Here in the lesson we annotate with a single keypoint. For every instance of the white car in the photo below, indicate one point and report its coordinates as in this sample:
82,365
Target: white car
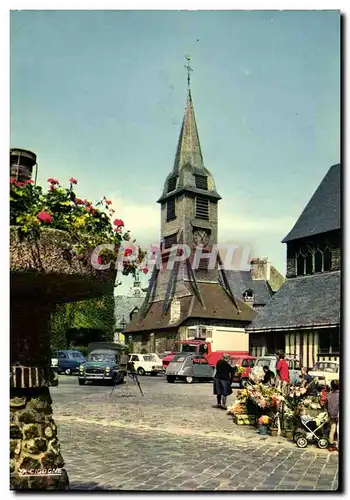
146,363
325,371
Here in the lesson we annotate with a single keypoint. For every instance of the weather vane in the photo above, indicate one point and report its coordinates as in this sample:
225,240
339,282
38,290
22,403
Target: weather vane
189,69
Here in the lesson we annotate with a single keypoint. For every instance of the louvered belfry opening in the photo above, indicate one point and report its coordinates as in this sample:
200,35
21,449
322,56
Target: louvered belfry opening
201,182
171,240
202,208
170,209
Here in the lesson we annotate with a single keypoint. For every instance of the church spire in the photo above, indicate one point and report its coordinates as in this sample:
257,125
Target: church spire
188,149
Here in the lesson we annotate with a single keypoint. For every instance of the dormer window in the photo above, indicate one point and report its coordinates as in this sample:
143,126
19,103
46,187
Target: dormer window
248,295
133,312
171,184
201,182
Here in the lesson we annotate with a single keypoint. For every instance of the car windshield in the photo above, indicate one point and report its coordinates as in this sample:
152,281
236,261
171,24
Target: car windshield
75,354
262,362
189,348
95,356
326,367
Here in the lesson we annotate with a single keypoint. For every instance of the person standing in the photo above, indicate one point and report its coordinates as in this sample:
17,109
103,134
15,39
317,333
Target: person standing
282,370
333,413
222,381
269,376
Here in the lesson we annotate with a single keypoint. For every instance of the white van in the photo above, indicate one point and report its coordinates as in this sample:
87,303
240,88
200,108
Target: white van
146,363
270,361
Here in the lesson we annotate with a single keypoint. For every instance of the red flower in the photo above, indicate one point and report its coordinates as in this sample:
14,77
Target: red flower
12,180
52,187
20,184
118,223
79,201
30,181
127,252
73,181
145,270
51,180
45,217
99,261
88,208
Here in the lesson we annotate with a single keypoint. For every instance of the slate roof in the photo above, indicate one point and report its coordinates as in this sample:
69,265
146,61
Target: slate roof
241,281
322,213
307,301
123,305
218,305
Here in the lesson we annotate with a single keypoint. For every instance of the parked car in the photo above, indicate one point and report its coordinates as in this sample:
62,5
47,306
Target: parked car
325,372
102,365
246,362
270,361
189,368
68,361
146,363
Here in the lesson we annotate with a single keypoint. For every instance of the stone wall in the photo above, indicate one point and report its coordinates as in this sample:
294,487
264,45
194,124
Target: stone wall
33,441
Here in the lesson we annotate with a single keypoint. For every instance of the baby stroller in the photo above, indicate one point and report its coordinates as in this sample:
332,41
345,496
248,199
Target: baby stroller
312,429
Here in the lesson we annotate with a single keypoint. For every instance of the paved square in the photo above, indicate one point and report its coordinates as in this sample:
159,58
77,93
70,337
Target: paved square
171,439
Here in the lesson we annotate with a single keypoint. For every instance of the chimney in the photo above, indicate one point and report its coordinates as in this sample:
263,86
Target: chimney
22,163
260,269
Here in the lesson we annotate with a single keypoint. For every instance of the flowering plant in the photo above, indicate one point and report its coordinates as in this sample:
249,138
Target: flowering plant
264,420
241,369
89,226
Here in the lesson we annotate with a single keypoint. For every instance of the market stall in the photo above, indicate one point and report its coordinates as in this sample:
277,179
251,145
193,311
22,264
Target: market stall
273,413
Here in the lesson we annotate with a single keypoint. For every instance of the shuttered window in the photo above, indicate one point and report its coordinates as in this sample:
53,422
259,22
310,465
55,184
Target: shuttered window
170,209
202,208
201,182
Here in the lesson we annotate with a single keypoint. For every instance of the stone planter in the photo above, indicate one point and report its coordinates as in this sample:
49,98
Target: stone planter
42,275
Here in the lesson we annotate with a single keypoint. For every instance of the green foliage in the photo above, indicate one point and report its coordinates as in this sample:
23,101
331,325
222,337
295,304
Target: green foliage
94,316
89,226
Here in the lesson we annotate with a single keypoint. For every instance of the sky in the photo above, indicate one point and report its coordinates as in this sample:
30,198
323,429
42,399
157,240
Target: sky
100,96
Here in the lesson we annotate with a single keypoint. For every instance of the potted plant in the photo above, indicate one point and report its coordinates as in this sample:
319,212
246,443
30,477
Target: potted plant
274,425
263,423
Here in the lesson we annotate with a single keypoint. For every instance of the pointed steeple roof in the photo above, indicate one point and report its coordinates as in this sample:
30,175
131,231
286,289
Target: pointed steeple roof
188,160
188,149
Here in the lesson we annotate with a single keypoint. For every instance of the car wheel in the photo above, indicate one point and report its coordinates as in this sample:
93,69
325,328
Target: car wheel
171,380
189,380
67,371
301,442
81,382
140,371
323,443
243,383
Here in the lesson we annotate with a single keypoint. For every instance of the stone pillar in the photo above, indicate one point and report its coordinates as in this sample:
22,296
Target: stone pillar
33,434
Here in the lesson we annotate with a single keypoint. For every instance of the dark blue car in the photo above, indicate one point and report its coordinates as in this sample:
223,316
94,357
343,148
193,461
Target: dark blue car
68,361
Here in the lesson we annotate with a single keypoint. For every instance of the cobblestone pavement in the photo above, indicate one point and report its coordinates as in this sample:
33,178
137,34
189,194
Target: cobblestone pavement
171,439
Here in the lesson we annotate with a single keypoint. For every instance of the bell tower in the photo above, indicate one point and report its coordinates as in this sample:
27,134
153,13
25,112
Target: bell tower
189,202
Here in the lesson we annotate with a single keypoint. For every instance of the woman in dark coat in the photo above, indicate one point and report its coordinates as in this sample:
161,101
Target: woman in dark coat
223,380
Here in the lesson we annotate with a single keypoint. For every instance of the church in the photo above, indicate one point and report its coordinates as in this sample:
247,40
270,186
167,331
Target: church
190,301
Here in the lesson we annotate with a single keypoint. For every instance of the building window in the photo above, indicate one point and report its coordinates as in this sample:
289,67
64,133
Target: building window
300,265
170,210
309,263
327,260
203,264
171,184
171,240
318,261
202,208
201,182
328,342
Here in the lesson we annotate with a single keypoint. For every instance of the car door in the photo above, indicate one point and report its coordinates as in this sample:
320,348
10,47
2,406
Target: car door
136,360
201,367
62,360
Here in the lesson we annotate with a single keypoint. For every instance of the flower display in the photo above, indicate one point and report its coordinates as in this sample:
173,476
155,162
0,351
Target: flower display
89,225
264,420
